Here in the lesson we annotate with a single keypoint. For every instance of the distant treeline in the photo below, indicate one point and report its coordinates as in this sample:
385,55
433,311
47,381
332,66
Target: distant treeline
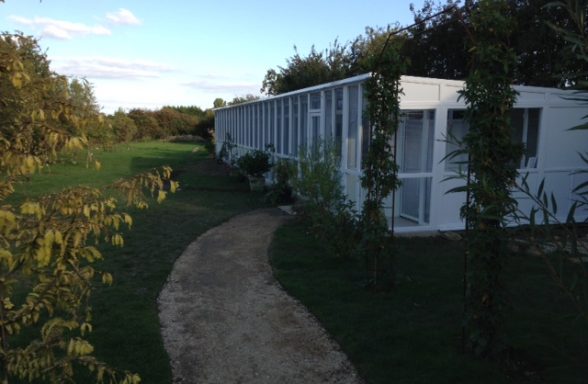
139,124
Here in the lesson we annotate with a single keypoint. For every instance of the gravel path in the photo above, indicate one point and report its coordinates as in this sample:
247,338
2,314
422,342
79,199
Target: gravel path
225,319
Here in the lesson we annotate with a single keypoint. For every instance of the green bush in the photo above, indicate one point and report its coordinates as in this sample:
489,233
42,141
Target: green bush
332,217
255,163
281,192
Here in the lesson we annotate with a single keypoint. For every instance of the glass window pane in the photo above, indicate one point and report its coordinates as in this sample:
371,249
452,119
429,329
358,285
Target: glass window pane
532,142
352,128
279,126
338,120
429,135
303,120
286,126
269,121
365,132
315,126
295,120
457,128
328,115
517,119
315,100
412,142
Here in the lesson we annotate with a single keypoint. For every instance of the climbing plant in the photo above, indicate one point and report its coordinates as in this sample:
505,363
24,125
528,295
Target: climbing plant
491,174
380,174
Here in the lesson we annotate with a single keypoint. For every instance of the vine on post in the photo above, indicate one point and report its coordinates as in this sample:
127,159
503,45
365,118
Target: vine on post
380,174
492,173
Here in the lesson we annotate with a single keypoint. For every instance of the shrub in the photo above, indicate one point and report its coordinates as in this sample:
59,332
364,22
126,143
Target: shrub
255,163
281,192
123,127
332,217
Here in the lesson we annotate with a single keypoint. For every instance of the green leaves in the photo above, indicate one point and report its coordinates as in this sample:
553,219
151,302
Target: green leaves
47,269
380,174
492,157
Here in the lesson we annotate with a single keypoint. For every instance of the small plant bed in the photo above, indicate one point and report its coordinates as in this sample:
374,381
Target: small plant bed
412,334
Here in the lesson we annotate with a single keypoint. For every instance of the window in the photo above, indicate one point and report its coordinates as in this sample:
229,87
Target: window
295,119
315,101
338,120
416,141
304,120
278,147
328,115
366,132
524,130
286,126
352,128
456,130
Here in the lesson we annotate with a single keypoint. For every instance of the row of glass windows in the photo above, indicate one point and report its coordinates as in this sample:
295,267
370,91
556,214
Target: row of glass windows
287,123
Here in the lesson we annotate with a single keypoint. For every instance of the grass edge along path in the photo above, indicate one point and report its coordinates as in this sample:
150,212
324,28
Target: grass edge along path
412,334
126,331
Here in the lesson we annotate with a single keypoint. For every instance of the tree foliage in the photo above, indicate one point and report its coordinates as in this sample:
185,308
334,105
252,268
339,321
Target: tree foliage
243,99
48,246
305,71
435,47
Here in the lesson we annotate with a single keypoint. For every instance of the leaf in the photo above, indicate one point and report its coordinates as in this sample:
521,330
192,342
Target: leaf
16,80
572,213
540,189
161,196
460,189
554,203
580,187
106,278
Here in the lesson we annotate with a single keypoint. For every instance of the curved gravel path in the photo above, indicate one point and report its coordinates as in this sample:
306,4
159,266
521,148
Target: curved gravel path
225,319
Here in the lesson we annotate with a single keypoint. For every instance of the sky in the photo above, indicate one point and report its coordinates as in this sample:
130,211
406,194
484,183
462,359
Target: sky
151,53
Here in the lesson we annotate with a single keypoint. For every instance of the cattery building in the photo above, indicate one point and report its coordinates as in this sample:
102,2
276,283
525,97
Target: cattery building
431,112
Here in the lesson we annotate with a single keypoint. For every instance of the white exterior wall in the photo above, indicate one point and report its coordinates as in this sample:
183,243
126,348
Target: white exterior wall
557,153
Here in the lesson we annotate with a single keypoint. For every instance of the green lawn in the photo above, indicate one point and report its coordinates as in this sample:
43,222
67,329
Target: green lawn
126,325
412,334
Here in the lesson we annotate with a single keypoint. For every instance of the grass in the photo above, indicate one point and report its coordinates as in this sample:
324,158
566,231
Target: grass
412,334
126,325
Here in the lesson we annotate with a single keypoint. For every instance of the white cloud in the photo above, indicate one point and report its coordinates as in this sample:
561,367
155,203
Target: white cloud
110,68
214,84
61,29
123,17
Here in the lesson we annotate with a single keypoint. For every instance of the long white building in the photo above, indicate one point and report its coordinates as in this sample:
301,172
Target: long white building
432,111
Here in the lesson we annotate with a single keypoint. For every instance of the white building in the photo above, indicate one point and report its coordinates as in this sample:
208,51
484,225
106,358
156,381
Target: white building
431,109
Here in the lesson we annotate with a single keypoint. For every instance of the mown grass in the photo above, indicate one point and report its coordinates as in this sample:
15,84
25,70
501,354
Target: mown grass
126,325
412,334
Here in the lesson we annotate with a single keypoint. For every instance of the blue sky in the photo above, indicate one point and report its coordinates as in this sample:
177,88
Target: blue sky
149,53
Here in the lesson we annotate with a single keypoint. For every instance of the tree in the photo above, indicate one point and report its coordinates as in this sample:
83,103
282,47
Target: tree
219,103
316,68
174,122
435,47
123,127
243,99
48,246
147,124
